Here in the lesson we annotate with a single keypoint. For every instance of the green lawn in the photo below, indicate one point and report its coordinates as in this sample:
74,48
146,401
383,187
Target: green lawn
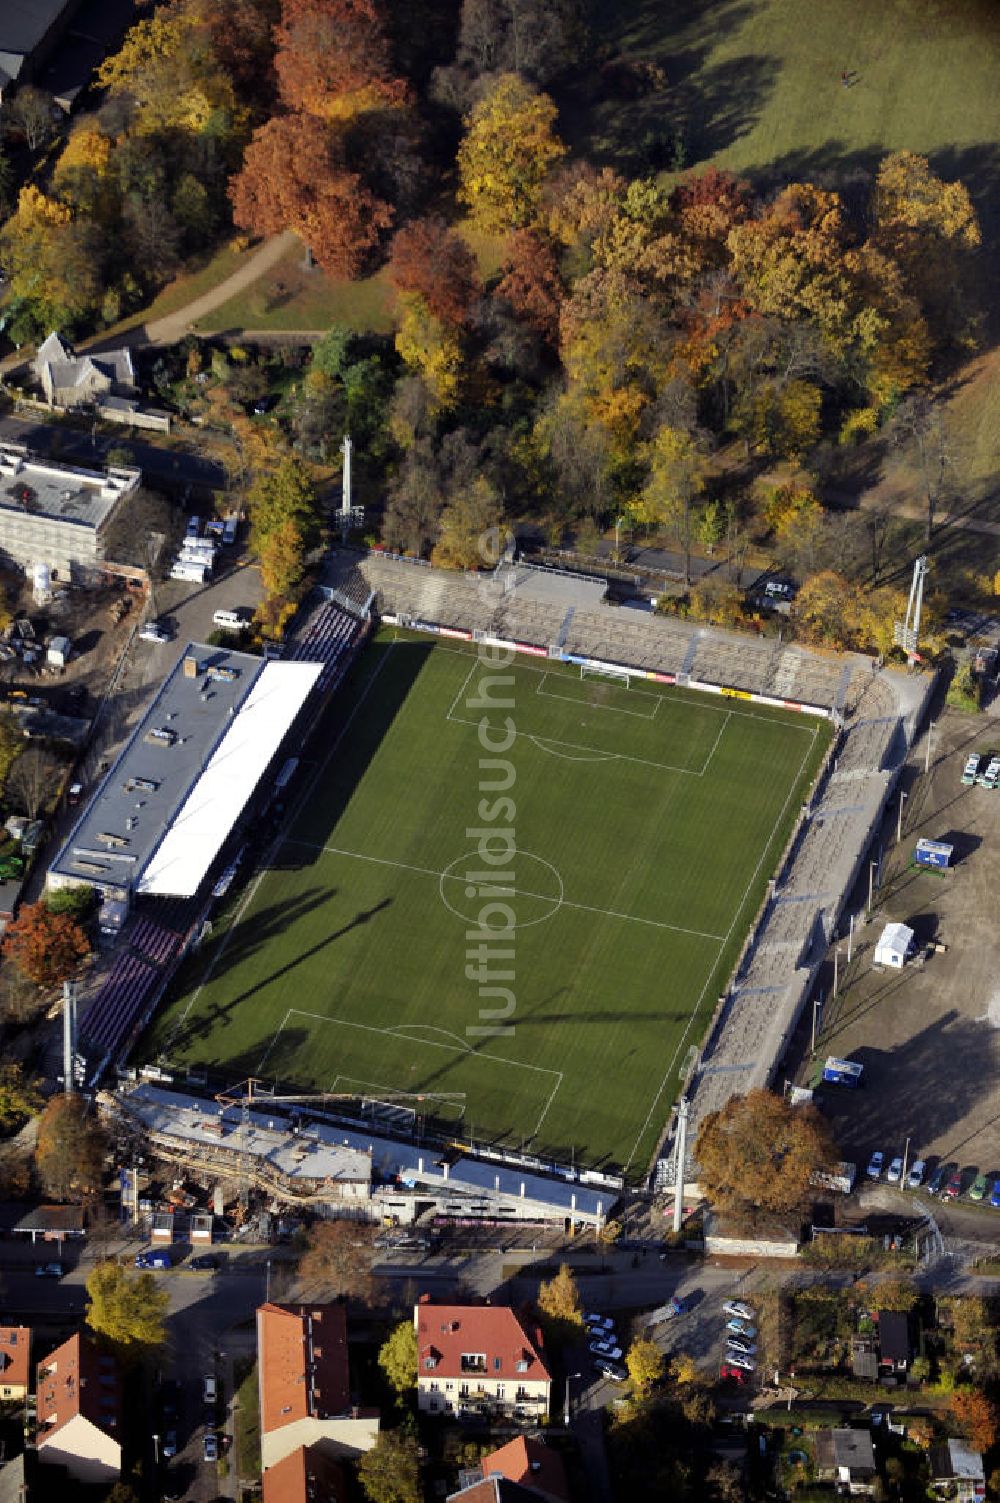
647,821
756,86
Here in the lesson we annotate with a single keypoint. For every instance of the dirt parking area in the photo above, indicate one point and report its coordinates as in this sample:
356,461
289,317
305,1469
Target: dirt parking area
928,1035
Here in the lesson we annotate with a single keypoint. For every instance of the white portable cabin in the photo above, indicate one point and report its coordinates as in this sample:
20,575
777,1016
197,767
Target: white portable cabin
895,946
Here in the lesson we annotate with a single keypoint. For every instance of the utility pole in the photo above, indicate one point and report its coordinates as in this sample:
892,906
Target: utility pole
680,1149
817,1009
850,938
836,968
871,886
906,1159
927,746
899,819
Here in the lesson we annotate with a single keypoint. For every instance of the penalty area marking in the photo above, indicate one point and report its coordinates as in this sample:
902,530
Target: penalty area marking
588,704
396,1033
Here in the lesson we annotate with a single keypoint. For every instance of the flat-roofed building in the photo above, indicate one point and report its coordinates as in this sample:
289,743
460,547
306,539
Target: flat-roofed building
58,514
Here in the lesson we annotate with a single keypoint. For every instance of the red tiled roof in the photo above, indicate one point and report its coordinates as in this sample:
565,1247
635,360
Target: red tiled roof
85,1381
446,1333
530,1463
15,1355
302,1352
304,1476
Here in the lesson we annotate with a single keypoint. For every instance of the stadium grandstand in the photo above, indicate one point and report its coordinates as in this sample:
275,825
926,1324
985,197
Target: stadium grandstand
156,837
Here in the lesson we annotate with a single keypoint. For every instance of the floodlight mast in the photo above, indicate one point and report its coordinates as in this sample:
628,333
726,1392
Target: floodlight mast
907,635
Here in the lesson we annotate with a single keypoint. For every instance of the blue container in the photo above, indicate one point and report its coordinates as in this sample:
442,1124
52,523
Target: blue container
933,853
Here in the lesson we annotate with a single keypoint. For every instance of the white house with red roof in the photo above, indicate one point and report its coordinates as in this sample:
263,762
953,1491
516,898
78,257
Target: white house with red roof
480,1359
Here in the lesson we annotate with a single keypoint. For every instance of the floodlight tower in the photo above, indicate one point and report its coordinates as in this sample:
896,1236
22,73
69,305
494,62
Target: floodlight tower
907,635
680,1148
69,1036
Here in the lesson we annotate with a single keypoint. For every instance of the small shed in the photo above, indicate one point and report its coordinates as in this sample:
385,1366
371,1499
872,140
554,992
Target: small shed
895,946
936,853
59,652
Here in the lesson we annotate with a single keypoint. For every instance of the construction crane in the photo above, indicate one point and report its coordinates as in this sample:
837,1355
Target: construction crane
248,1091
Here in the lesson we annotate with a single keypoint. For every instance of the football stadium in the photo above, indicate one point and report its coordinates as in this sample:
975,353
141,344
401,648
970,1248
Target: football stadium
505,897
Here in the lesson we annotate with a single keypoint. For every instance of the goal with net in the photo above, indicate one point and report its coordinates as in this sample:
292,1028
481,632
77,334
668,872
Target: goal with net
621,676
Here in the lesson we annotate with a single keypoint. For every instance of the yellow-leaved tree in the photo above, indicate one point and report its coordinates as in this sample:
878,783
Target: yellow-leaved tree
432,349
52,260
677,471
509,147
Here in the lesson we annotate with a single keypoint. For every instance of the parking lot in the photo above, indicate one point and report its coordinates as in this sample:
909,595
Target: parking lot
927,1034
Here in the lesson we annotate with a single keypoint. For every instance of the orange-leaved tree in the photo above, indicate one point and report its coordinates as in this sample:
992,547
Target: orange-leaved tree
532,284
333,58
294,178
46,947
432,260
978,1416
758,1153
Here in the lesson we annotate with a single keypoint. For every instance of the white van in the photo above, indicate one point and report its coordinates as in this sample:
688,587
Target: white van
197,573
209,1390
230,620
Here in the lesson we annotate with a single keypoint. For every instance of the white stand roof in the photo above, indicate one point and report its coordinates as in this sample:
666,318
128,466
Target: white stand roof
179,864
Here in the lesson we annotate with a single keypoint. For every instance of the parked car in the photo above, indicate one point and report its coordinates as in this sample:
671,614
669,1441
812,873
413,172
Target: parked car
597,1324
995,1197
747,1364
939,1178
209,1389
979,1187
730,1373
678,1304
153,1257
606,1349
953,1188
971,769
875,1164
739,1308
991,777
170,1444
154,632
49,1271
742,1328
739,1344
210,1446
204,1261
895,1171
611,1370
915,1178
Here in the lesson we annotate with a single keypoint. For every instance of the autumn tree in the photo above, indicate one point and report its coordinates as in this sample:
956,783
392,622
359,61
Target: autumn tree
757,1154
173,80
127,1308
333,58
415,501
509,146
677,472
896,1294
471,515
397,1357
294,178
390,1471
431,260
19,1097
560,1307
70,1149
531,283
536,38
338,1260
32,113
978,1416
285,494
930,228
919,426
646,1365
53,262
47,947
433,350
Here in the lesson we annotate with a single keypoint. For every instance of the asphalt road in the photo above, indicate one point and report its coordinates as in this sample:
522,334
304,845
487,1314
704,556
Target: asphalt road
170,467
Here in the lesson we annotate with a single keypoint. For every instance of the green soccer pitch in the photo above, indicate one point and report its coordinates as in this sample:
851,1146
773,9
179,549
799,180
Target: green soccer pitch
646,821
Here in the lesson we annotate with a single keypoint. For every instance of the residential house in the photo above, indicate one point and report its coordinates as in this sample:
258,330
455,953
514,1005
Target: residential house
845,1457
895,1346
479,1359
305,1398
79,1416
536,1471
15,1362
71,381
304,1476
957,1472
